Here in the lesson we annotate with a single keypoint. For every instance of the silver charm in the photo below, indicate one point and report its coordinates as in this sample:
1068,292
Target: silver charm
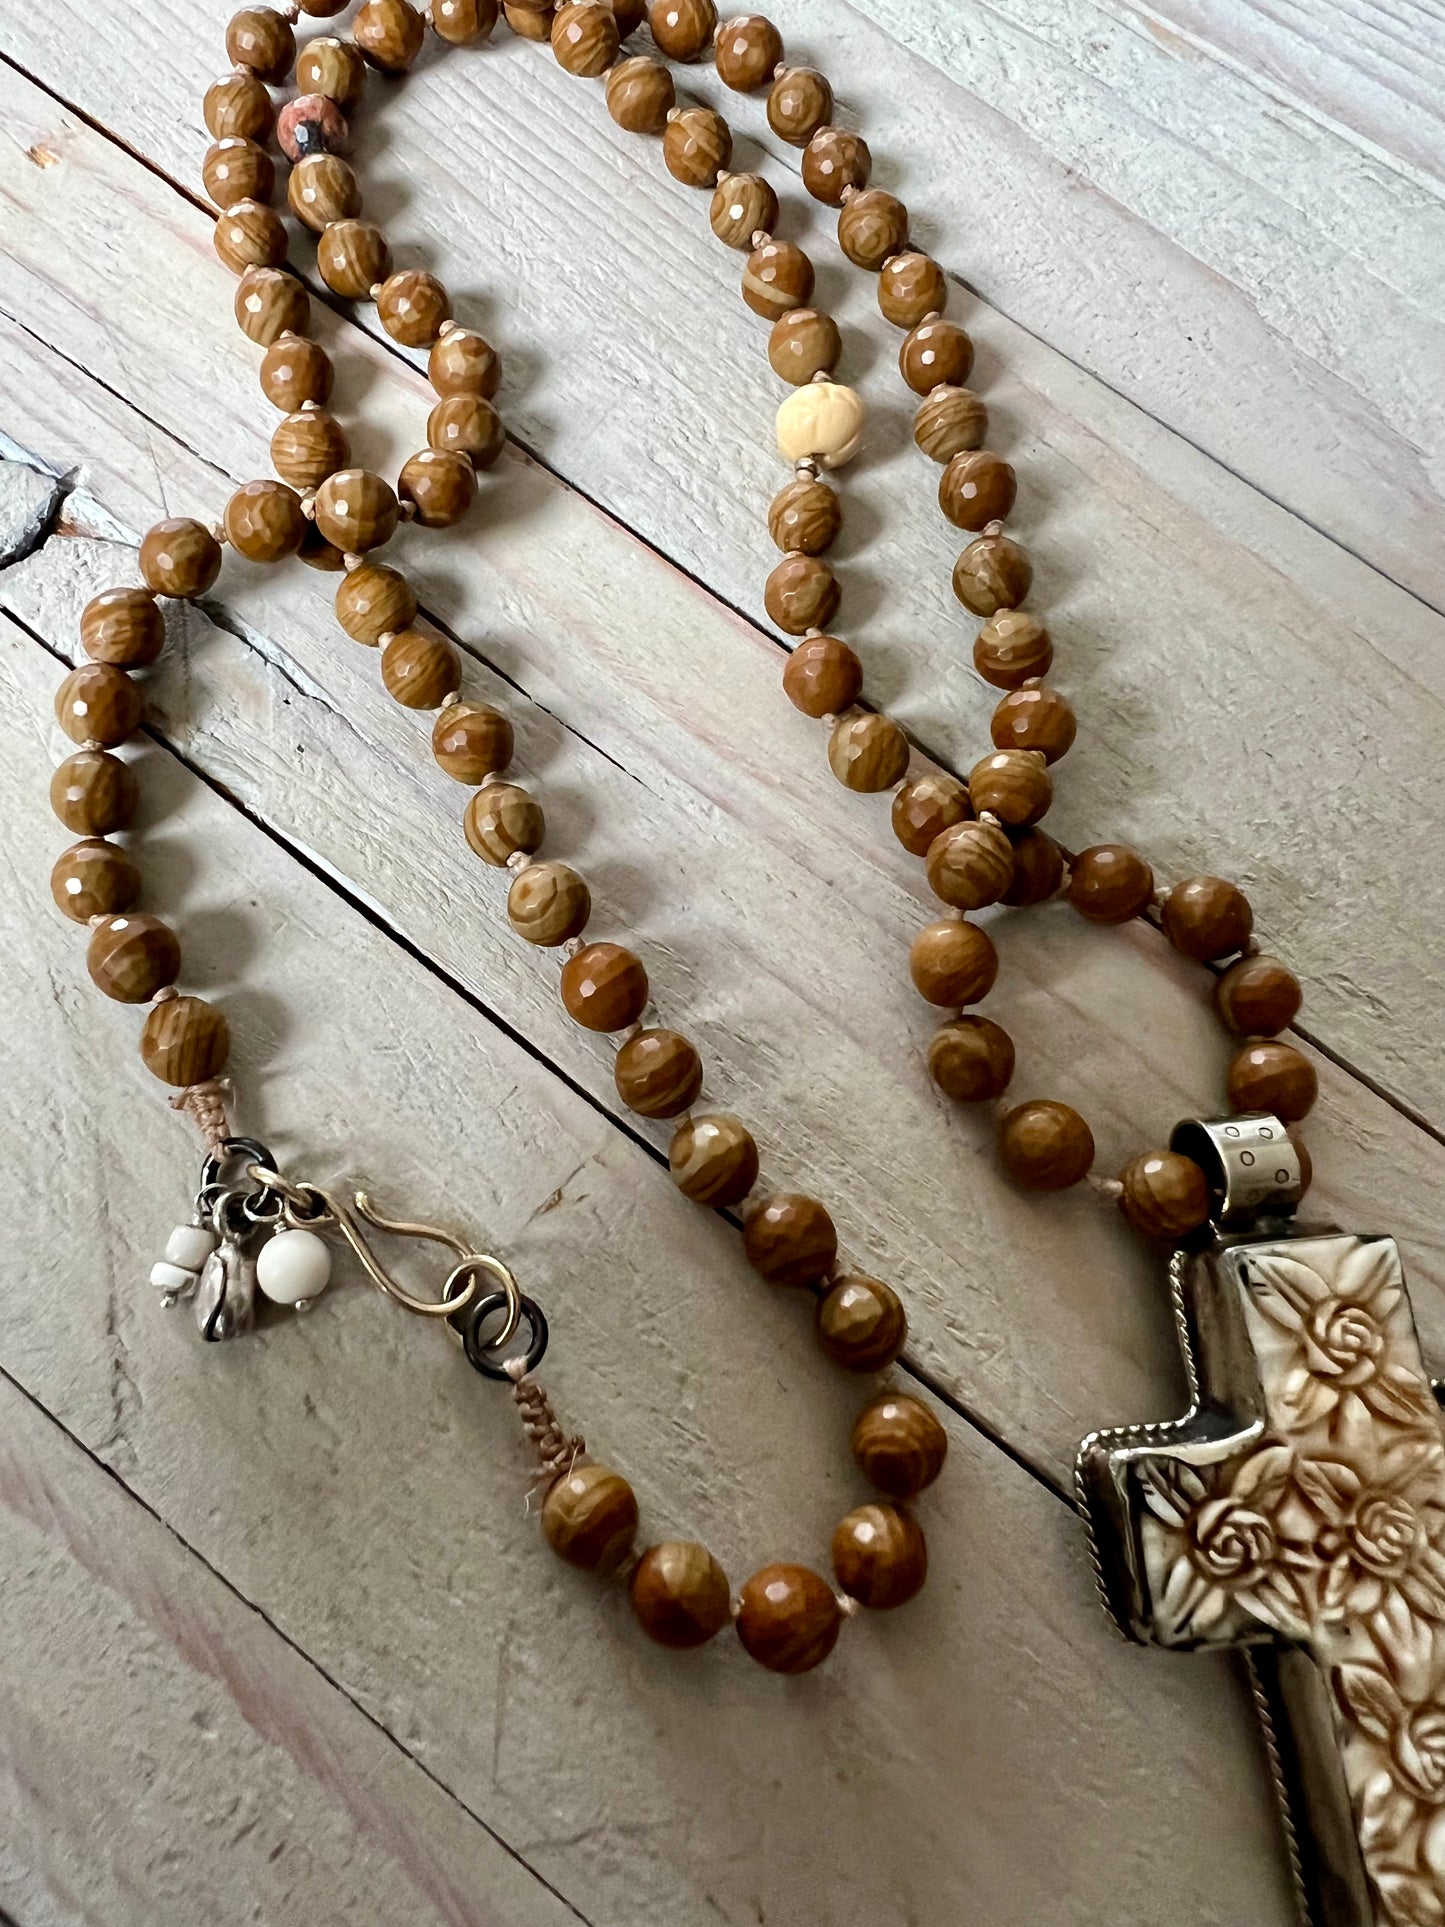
1298,1510
226,1296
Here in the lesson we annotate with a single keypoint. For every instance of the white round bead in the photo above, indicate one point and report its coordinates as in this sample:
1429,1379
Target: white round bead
189,1245
292,1267
824,419
172,1279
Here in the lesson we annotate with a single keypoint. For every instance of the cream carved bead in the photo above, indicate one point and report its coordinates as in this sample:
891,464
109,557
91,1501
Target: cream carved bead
822,419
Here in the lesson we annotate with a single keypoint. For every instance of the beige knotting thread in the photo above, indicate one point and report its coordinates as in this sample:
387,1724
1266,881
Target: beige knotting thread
206,1103
556,1452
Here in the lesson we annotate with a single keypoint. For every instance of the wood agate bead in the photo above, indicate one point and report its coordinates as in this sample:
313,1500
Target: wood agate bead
94,793
374,601
971,1059
790,1239
880,1556
1164,1195
94,879
803,343
801,593
933,352
295,371
899,1444
124,627
133,956
270,304
185,1041
697,145
867,752
351,257
180,557
977,488
307,447
248,234
680,1594
833,161
503,820
872,226
356,510
237,170
323,189
321,9
1110,883
467,425
589,1517
1034,719
585,38
952,963
658,1073
741,205
471,741
949,422
970,865
419,670
311,124
747,48
911,286
1012,649
412,307
390,34
263,521
238,107
1038,869
1045,1145
788,1619
548,903
822,420
640,95
713,1159
317,553
1206,918
464,363
804,517
1273,1076
527,21
604,987
992,574
334,67
463,23
682,28
1257,997
777,279
440,485
629,15
1013,784
822,677
258,39
800,101
860,1323
926,807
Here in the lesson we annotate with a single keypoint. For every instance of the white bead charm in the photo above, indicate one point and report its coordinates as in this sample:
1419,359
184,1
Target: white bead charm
293,1267
822,419
189,1246
172,1281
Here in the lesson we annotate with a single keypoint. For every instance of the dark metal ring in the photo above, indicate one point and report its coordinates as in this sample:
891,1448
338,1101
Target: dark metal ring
231,1148
468,1324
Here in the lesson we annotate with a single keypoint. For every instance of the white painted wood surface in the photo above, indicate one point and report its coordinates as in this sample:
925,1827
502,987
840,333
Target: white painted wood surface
451,1727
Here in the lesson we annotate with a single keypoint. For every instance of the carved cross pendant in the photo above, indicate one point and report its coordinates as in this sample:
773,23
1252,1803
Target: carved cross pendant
1299,1509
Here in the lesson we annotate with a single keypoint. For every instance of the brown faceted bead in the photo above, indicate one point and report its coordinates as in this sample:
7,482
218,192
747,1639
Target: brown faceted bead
248,234
94,793
800,101
263,521
1045,1146
803,343
911,286
680,1594
791,1240
741,204
713,1159
971,1059
696,146
867,752
527,21
1013,784
390,34
321,9
317,553
585,38
640,95
860,1323
463,23
604,987
238,107
899,1444
801,593
307,447
420,671
323,189
1257,997
976,488
131,957
1206,918
1038,869
351,257
629,14
440,485
1110,883
805,517
777,280
833,161
926,807
682,28
467,425
334,67
952,963
237,170
258,39
1012,649
949,422
179,557
471,741
880,1556
992,574
356,510
970,865
872,226
548,903
124,627
658,1073
747,49
270,304
933,352
822,677
98,703
788,1619
464,363
184,1041
589,1517
94,879
1034,719
1164,1195
311,124
294,371
502,820
1275,1077
412,307
373,602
